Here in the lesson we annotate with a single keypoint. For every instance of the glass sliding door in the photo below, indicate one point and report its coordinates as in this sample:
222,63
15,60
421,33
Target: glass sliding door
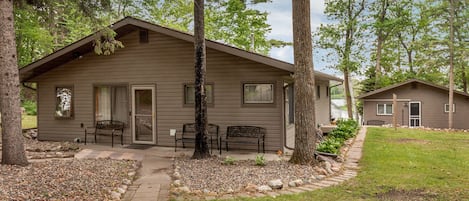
143,114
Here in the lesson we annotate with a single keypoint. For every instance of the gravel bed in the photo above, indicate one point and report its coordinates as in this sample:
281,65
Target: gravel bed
64,179
209,174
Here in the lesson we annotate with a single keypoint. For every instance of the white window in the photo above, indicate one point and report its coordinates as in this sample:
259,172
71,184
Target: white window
258,93
447,108
111,103
384,109
189,94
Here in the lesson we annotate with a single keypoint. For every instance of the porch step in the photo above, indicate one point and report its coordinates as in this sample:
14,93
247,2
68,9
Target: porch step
94,154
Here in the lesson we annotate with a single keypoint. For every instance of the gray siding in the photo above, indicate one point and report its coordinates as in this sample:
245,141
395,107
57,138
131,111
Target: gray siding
432,106
167,63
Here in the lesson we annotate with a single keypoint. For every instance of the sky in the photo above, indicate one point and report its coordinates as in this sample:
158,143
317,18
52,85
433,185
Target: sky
280,20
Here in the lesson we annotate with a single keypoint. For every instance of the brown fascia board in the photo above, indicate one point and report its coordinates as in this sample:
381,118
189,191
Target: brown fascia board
30,71
407,82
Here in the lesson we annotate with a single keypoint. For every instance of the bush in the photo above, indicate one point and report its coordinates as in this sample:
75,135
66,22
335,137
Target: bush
260,160
330,145
229,160
30,107
345,129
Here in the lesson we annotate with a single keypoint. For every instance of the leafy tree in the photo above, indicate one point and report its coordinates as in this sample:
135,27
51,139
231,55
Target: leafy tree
229,21
305,122
13,152
342,39
201,147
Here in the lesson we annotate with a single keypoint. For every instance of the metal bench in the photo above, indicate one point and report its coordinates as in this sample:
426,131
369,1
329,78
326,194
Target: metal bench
375,122
106,127
188,134
244,135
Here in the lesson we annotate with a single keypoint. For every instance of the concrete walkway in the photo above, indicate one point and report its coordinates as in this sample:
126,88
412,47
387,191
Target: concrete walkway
153,180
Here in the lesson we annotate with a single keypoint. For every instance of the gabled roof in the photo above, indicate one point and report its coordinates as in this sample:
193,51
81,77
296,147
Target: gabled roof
130,24
408,82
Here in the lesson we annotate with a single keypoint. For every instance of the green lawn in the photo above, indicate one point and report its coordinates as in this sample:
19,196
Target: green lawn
406,164
28,121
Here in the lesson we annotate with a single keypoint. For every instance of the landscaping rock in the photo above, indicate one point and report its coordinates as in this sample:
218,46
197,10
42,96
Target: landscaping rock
184,189
177,175
264,188
292,184
320,177
298,182
275,184
115,195
177,183
251,188
327,167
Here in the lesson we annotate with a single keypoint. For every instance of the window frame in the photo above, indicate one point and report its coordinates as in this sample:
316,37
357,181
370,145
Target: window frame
72,104
385,110
267,104
184,93
111,85
446,110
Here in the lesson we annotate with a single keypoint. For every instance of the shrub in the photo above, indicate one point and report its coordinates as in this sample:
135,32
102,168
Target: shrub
260,160
229,160
30,107
336,138
330,145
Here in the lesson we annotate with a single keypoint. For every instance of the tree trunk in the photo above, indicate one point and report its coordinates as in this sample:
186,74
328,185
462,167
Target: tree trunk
305,122
13,152
451,65
348,96
201,147
379,47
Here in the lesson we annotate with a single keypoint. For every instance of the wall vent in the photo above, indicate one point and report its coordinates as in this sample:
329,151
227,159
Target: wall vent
143,36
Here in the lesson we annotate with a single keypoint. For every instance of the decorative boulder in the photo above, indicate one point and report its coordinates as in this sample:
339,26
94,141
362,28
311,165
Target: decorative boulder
264,188
275,184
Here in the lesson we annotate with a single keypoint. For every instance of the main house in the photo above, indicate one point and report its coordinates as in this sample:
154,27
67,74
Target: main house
148,85
419,103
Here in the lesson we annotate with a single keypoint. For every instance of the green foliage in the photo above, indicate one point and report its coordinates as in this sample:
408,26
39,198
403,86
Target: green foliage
346,128
30,107
330,145
260,160
229,161
105,42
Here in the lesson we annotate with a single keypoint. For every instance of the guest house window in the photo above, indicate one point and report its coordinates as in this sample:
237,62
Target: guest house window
64,102
384,109
189,94
111,103
258,93
447,108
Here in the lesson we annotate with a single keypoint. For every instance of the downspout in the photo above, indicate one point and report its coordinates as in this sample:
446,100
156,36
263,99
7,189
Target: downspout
285,120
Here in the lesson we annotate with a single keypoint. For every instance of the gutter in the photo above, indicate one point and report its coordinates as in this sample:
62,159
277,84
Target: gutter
26,86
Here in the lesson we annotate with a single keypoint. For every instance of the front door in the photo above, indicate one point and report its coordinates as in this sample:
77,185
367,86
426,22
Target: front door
415,114
143,114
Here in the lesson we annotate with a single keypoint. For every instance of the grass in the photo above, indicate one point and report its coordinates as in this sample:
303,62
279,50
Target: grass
28,121
407,164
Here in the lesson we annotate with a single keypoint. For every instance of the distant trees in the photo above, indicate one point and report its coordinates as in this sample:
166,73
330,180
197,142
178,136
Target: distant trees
342,40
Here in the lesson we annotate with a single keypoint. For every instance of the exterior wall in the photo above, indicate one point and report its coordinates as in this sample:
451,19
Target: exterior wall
167,63
323,104
432,106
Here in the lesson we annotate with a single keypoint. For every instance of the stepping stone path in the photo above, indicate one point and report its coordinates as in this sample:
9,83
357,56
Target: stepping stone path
94,154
